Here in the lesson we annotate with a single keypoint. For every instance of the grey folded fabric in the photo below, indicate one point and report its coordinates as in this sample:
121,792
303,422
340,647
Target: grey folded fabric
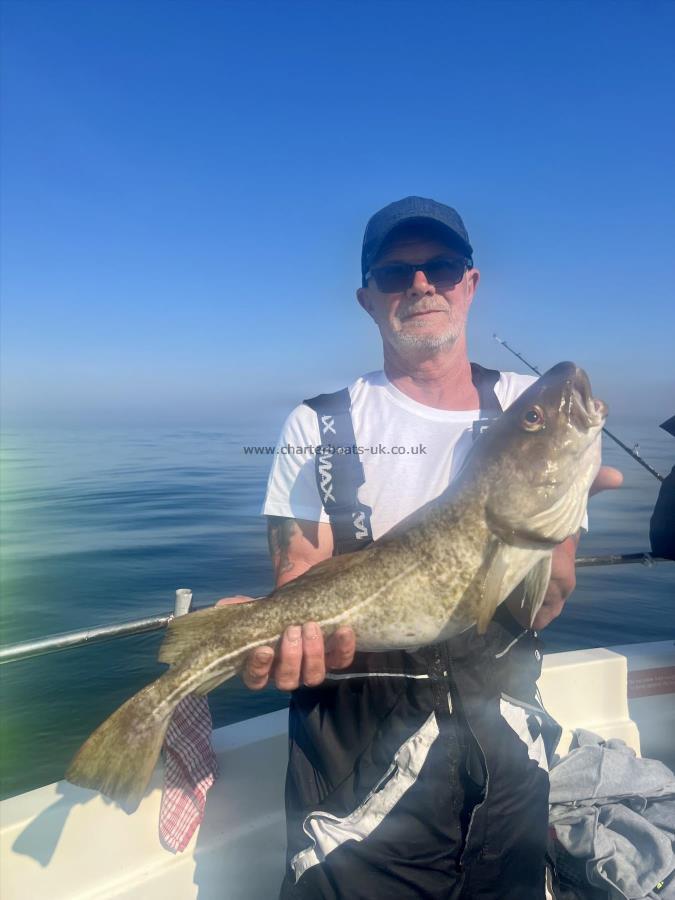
617,811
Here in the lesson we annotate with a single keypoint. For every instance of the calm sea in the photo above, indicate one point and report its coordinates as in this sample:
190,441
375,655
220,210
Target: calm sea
102,526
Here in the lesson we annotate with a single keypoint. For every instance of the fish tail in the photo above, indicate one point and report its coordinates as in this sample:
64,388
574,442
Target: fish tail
118,759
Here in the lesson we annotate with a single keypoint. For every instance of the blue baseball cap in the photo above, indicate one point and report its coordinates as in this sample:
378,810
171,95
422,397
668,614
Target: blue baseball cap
411,209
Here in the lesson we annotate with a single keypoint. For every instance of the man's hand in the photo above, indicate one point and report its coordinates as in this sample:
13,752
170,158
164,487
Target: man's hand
301,656
563,573
562,583
607,479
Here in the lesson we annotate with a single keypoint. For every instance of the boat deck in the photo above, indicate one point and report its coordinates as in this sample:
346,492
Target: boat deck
67,843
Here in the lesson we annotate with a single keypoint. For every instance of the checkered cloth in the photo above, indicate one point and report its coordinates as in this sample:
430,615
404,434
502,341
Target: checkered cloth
190,768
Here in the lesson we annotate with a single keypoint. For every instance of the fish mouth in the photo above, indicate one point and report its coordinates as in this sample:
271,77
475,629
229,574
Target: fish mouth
584,411
587,412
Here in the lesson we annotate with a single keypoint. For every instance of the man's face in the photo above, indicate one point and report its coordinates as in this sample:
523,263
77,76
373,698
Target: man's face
427,316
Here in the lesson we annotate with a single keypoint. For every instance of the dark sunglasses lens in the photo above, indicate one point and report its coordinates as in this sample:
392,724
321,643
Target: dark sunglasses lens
393,279
445,271
399,277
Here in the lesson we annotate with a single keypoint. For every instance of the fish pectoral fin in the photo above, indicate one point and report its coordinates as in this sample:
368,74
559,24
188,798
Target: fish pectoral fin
185,635
535,586
491,578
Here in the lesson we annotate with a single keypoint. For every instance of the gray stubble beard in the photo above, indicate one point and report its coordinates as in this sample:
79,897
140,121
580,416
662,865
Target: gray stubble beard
411,341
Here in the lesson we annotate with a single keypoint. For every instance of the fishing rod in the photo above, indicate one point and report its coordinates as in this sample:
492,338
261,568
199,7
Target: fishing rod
636,456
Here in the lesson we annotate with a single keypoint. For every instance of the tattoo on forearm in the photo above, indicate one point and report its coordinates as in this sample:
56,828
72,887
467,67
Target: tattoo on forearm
280,530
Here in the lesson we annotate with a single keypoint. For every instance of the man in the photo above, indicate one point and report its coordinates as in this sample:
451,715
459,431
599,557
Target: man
411,774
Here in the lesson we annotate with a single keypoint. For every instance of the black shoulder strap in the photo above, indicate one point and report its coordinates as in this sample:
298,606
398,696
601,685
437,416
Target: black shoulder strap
339,473
484,380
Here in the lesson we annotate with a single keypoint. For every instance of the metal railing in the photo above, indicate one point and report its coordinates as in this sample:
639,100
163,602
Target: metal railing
26,649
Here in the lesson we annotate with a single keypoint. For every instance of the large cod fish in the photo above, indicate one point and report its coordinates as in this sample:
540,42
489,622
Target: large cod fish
522,490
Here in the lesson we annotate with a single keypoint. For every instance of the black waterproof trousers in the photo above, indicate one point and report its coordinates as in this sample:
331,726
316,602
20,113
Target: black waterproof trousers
422,775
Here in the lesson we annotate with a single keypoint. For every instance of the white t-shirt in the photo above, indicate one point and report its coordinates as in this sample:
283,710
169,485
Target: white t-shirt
410,452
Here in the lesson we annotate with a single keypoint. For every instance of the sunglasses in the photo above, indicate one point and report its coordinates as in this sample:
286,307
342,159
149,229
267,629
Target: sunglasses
398,277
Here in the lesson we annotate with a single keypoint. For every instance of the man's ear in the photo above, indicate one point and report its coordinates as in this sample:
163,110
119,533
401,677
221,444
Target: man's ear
365,300
473,279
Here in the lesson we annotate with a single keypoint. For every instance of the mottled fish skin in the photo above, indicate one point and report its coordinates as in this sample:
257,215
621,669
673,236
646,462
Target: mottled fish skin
522,490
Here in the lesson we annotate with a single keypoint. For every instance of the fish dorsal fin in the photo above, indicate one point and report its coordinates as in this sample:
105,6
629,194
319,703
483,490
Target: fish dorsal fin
491,578
536,584
185,634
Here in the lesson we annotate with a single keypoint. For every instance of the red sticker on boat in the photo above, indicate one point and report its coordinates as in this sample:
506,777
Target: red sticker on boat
647,682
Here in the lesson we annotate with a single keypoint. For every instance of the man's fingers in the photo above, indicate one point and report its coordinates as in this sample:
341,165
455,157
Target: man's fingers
232,601
301,657
313,663
256,671
341,648
289,663
607,479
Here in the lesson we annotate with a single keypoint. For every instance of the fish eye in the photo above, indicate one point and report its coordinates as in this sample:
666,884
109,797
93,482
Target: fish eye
533,420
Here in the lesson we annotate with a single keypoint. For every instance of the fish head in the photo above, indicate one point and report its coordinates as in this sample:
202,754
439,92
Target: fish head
541,456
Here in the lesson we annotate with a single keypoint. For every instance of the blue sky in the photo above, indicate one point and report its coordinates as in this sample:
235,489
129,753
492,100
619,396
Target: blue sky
185,187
